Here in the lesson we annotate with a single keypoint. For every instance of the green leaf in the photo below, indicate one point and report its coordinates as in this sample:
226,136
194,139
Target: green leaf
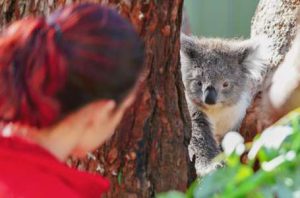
120,178
171,194
214,183
282,191
239,180
192,188
243,173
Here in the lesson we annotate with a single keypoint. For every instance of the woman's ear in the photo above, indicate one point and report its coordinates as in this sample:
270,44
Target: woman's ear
128,101
105,106
97,123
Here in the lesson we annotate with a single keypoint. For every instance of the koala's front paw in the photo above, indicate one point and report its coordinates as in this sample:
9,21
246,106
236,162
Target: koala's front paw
219,165
203,170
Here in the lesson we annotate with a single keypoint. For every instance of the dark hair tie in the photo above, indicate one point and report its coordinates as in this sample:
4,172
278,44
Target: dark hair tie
58,32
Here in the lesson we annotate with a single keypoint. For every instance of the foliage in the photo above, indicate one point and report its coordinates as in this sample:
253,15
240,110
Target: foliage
269,169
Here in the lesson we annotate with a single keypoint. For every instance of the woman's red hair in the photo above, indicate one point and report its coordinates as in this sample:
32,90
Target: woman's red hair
51,66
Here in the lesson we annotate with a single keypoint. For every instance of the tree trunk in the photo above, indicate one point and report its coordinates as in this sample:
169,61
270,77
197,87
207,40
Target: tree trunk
284,93
148,153
274,19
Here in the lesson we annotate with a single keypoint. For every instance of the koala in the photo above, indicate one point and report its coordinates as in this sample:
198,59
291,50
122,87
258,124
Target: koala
219,77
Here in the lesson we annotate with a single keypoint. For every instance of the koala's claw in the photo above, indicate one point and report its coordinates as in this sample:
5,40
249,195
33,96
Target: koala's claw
219,165
207,169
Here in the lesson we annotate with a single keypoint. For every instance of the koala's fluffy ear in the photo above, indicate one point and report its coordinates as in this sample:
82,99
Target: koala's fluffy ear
254,55
188,46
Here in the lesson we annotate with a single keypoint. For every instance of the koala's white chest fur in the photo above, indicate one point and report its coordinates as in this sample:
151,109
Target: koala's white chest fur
224,119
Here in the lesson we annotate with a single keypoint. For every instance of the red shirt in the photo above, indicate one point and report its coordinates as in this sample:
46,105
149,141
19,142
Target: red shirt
27,170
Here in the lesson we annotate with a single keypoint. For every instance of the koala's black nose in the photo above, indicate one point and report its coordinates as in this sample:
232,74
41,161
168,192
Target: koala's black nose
210,95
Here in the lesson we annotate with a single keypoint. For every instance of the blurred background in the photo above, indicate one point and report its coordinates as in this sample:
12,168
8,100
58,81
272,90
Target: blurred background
220,18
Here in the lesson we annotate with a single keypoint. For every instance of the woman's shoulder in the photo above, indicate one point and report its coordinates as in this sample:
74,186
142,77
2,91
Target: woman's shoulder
28,170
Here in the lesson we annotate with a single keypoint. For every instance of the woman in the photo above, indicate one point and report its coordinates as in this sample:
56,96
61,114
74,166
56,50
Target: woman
65,82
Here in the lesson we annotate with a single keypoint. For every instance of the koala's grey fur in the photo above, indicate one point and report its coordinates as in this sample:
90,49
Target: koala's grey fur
219,77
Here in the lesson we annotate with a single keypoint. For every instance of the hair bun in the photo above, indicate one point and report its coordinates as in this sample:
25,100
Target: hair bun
32,72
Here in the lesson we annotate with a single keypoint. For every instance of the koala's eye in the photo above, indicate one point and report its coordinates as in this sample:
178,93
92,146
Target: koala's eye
199,83
226,84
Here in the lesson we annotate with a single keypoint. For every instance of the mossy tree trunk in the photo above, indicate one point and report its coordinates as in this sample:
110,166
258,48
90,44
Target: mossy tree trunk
148,153
276,20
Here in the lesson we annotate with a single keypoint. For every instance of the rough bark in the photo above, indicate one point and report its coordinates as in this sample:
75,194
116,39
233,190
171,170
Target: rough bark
274,19
148,153
284,93
185,25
